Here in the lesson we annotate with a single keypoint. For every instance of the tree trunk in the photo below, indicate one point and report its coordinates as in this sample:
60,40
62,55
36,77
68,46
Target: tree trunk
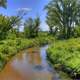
68,32
51,30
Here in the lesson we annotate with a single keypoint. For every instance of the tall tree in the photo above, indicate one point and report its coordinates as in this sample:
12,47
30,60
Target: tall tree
31,27
21,12
15,21
64,14
5,26
28,28
50,24
36,25
3,3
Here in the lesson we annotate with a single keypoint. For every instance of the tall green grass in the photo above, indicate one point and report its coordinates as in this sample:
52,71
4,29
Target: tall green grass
67,54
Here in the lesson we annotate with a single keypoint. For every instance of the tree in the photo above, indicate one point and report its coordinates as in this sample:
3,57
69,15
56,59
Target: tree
3,3
50,24
64,14
36,25
31,27
28,28
77,31
15,22
21,13
5,26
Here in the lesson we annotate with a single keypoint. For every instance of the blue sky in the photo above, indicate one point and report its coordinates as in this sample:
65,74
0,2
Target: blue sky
36,8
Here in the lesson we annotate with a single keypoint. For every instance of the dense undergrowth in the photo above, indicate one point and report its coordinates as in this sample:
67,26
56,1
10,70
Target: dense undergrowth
9,48
65,55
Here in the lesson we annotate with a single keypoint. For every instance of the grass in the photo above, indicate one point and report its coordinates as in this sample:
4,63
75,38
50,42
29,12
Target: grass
66,56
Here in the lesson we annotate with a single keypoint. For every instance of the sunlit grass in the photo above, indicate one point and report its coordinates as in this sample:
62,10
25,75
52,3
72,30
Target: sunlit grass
66,53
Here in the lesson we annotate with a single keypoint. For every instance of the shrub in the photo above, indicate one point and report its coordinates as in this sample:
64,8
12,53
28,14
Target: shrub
67,53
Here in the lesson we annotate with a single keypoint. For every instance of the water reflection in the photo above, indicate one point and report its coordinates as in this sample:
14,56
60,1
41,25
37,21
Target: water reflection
34,56
30,64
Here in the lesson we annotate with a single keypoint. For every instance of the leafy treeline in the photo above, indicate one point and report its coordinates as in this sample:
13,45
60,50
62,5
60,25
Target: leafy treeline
7,25
62,17
10,25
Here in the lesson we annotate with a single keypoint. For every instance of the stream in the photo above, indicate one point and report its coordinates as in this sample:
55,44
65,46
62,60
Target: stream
29,64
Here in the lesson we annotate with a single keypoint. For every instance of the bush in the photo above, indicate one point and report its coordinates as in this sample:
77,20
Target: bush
66,53
77,31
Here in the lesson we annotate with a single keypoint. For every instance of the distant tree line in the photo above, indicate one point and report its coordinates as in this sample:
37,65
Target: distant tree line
63,19
31,27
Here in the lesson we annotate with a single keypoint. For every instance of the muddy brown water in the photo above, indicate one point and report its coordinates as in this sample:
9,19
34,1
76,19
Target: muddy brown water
30,64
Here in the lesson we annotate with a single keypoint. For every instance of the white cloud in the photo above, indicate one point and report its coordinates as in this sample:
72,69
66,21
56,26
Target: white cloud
23,9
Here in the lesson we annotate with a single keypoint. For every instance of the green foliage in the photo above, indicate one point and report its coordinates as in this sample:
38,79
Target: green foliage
36,26
15,20
5,26
11,35
77,31
63,14
66,53
28,28
31,27
3,3
9,27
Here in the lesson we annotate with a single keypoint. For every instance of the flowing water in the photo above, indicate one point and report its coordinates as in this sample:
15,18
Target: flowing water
30,64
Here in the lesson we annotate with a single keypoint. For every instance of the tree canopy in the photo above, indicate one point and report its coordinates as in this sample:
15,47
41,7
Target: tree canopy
64,14
31,27
3,3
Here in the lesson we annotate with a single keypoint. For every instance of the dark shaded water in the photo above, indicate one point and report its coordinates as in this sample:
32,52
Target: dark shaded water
30,64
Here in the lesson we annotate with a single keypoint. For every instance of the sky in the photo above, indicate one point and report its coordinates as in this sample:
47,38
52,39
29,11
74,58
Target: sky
35,7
